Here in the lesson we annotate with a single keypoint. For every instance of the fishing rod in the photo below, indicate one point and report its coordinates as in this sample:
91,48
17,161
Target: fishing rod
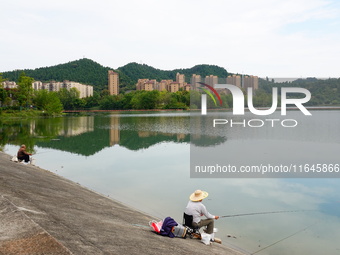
257,213
301,230
41,152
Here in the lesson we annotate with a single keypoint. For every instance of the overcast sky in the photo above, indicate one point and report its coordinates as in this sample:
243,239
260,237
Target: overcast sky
275,38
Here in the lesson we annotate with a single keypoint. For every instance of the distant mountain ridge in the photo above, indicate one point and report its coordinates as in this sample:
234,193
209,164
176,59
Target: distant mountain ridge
142,71
84,70
89,72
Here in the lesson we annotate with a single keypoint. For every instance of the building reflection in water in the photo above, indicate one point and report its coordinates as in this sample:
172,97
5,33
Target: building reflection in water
87,135
114,131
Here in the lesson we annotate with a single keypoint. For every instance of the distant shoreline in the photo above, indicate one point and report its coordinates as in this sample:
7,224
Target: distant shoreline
219,109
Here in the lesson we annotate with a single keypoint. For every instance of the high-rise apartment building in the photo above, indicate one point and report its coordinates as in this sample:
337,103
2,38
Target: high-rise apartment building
180,78
211,80
113,85
195,78
251,82
234,80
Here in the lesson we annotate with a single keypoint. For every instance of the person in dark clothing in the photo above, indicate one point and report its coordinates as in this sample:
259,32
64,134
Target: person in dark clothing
23,155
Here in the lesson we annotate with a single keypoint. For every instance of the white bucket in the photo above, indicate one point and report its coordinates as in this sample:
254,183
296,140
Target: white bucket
32,161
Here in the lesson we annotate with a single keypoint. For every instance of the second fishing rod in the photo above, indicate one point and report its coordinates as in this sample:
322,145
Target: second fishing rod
259,213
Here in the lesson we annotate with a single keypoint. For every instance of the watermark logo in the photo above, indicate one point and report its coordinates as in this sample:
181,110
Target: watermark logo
238,99
209,93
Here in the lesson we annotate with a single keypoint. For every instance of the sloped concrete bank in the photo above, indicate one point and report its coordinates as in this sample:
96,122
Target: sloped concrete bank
42,213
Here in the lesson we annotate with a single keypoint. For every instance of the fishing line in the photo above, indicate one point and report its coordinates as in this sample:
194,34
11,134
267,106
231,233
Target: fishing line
256,213
283,239
42,152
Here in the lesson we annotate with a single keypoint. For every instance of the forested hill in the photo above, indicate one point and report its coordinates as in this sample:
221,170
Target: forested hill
141,71
89,72
83,70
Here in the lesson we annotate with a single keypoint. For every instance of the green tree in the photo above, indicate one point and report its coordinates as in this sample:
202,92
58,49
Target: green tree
126,101
48,101
106,103
195,99
225,101
145,100
25,90
3,96
262,99
79,103
104,92
3,93
69,98
54,105
1,81
164,98
92,101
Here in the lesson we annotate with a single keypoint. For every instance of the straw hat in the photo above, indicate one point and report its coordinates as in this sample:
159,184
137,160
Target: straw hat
198,195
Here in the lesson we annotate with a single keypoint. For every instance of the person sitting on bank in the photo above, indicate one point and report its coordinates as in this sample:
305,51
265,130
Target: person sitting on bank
23,155
197,209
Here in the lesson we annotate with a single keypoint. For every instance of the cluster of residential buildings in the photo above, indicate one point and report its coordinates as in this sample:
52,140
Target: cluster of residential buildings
174,86
163,85
147,84
240,81
85,90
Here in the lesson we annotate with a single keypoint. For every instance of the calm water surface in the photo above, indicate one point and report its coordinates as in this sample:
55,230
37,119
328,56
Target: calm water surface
143,160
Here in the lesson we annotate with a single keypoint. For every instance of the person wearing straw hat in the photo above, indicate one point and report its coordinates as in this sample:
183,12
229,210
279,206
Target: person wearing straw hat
197,209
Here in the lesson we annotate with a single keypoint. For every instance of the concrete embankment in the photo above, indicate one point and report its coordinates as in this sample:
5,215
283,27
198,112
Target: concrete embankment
42,213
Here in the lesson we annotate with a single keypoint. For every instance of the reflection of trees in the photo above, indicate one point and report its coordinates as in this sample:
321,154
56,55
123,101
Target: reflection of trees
133,133
207,141
17,132
86,135
141,132
202,132
134,141
32,131
84,144
46,128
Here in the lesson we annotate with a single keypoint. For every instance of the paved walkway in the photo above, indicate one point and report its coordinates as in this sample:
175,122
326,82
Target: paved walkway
42,213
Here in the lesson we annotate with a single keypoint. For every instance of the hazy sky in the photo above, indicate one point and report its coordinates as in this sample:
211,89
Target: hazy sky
275,38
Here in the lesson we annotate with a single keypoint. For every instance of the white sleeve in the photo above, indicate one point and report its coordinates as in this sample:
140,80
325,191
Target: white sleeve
205,212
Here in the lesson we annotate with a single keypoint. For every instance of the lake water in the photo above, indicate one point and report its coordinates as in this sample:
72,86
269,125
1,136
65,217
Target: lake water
143,160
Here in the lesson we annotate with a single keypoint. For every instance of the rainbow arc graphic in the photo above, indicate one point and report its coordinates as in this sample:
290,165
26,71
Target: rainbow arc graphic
210,94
